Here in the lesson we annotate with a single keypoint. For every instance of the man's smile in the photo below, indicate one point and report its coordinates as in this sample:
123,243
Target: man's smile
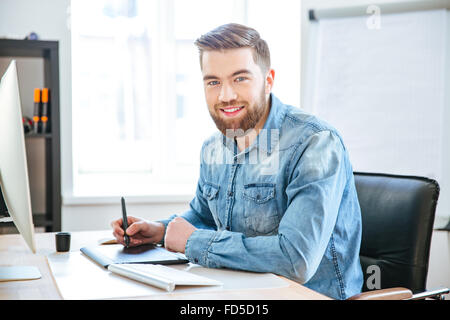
231,111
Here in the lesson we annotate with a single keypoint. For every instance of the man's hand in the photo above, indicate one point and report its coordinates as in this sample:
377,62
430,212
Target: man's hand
178,232
140,231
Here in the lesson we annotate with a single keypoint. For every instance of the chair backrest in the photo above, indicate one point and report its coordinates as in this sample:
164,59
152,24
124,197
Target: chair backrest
397,224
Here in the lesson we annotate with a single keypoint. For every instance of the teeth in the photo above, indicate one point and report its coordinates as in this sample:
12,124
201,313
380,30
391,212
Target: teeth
232,110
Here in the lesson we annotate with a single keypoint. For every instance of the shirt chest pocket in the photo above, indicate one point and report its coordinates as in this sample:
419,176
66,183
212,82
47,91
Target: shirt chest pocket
211,194
260,208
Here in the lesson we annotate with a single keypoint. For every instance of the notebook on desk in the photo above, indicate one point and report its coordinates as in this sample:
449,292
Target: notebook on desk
118,254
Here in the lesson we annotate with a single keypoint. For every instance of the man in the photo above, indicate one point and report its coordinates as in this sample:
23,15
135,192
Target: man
276,190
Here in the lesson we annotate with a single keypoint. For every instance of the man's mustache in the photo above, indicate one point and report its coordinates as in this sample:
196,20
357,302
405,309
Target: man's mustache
230,104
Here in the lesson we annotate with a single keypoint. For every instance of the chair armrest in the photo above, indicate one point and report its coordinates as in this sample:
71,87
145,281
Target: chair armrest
437,294
384,294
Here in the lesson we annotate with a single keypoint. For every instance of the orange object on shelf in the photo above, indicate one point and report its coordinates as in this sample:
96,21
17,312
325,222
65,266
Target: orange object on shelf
45,111
44,95
37,110
37,95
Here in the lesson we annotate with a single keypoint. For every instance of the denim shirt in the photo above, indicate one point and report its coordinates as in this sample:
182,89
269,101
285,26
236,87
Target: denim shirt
286,205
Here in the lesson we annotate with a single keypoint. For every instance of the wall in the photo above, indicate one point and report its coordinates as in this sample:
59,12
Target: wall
99,217
439,263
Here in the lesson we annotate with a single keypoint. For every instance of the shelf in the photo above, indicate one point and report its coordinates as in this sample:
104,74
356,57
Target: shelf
39,135
39,220
49,51
26,48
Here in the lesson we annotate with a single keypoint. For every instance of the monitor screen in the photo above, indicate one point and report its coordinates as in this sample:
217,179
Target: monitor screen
13,162
3,209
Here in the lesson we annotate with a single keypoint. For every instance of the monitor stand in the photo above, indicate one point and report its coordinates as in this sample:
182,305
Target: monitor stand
15,273
12,273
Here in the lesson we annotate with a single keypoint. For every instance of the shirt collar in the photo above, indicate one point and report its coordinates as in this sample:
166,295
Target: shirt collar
275,115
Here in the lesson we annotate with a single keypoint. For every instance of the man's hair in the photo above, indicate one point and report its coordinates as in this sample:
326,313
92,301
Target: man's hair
234,36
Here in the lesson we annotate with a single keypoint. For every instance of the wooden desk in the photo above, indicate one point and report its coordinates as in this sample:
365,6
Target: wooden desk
14,251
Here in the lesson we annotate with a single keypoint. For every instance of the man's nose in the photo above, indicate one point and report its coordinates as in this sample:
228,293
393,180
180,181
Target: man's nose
227,93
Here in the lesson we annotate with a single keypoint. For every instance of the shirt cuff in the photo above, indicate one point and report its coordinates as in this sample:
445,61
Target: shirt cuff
165,222
197,246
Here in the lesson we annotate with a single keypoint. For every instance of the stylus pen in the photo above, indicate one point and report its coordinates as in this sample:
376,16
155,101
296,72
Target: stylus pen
125,223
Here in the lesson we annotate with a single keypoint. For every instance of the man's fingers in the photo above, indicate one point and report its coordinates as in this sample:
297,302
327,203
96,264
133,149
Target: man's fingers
135,242
132,220
117,225
133,228
119,238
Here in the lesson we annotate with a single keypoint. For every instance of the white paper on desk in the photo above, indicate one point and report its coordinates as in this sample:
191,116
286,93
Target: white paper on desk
78,278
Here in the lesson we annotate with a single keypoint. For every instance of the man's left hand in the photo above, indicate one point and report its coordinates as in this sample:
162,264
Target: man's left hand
178,232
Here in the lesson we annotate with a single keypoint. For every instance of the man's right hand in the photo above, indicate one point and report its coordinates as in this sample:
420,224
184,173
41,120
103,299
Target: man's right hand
139,230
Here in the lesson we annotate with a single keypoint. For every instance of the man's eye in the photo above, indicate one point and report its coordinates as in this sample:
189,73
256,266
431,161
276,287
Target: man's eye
213,83
240,79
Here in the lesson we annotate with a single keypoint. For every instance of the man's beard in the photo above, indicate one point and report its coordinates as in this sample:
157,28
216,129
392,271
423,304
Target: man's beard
238,127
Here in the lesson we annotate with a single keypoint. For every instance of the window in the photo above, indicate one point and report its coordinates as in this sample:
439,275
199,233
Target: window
139,112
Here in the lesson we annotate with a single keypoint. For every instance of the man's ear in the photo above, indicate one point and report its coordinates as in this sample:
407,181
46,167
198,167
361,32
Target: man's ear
270,78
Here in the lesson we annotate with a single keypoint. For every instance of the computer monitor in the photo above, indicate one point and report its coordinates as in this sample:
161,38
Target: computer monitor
13,171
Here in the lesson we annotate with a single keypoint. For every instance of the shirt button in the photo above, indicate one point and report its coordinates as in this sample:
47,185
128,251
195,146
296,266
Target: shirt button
195,260
230,193
228,228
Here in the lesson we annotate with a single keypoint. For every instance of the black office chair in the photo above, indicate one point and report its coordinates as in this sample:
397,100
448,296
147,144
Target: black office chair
397,224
